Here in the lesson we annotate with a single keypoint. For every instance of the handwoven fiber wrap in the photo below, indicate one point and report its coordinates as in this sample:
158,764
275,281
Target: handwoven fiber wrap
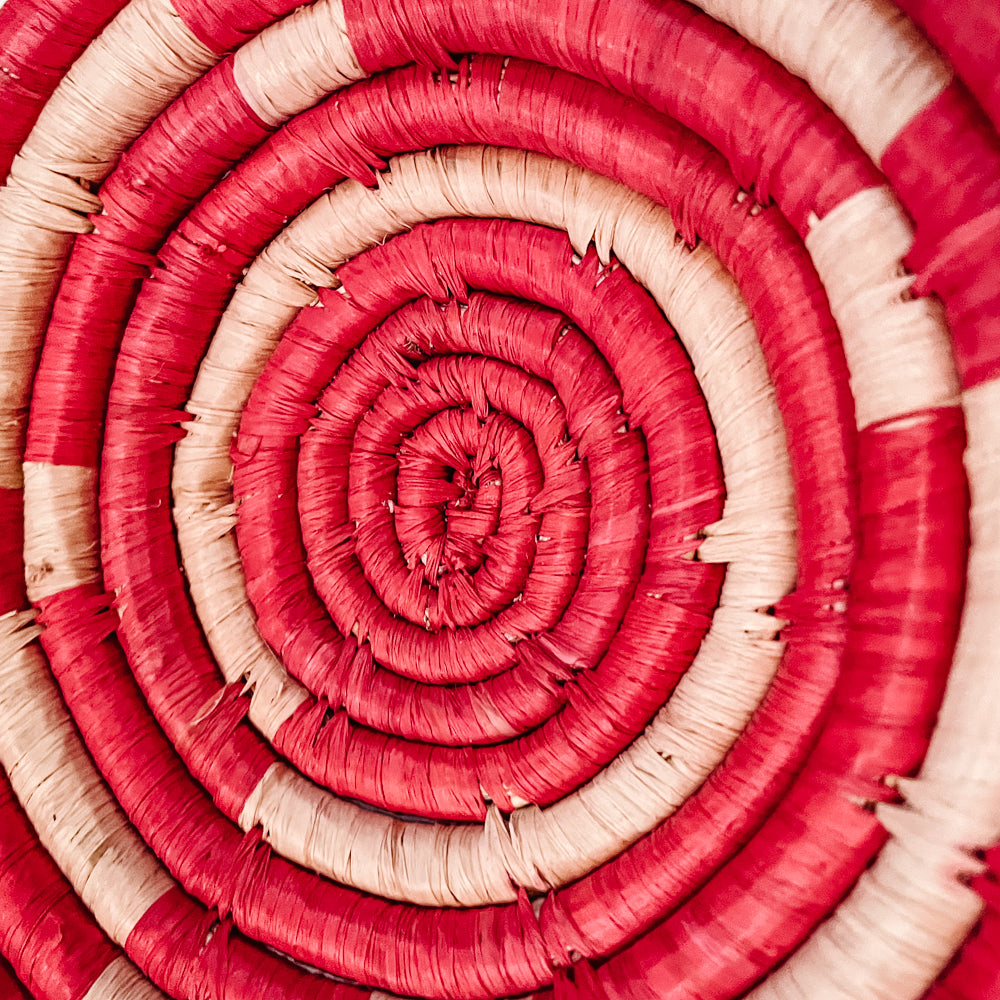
499,500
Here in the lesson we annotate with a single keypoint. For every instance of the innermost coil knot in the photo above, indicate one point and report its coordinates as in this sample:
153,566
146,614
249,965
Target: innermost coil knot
451,511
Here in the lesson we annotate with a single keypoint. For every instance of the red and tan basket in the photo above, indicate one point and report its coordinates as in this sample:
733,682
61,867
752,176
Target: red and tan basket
500,499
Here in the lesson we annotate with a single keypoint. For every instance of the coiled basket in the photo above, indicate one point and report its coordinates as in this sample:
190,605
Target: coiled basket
500,498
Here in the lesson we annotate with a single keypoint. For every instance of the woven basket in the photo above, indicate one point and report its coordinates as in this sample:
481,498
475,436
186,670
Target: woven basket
500,499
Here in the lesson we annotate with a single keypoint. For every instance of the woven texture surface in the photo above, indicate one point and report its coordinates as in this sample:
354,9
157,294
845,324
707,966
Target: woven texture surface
499,500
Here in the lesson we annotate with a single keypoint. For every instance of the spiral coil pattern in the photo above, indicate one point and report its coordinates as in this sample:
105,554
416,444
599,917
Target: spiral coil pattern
499,501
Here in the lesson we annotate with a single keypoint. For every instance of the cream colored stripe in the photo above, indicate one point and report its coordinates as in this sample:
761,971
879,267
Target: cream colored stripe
911,911
900,926
314,40
61,549
144,59
73,812
121,980
864,58
898,348
962,770
540,848
129,73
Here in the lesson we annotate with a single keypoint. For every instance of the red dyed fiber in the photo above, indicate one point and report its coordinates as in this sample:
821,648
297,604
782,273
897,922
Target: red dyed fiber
273,901
773,839
39,41
226,24
812,847
719,85
165,172
164,348
50,938
878,723
12,596
974,972
11,987
192,953
945,167
969,35
630,683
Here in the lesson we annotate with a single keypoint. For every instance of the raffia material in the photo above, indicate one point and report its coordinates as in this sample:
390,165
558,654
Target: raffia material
728,837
